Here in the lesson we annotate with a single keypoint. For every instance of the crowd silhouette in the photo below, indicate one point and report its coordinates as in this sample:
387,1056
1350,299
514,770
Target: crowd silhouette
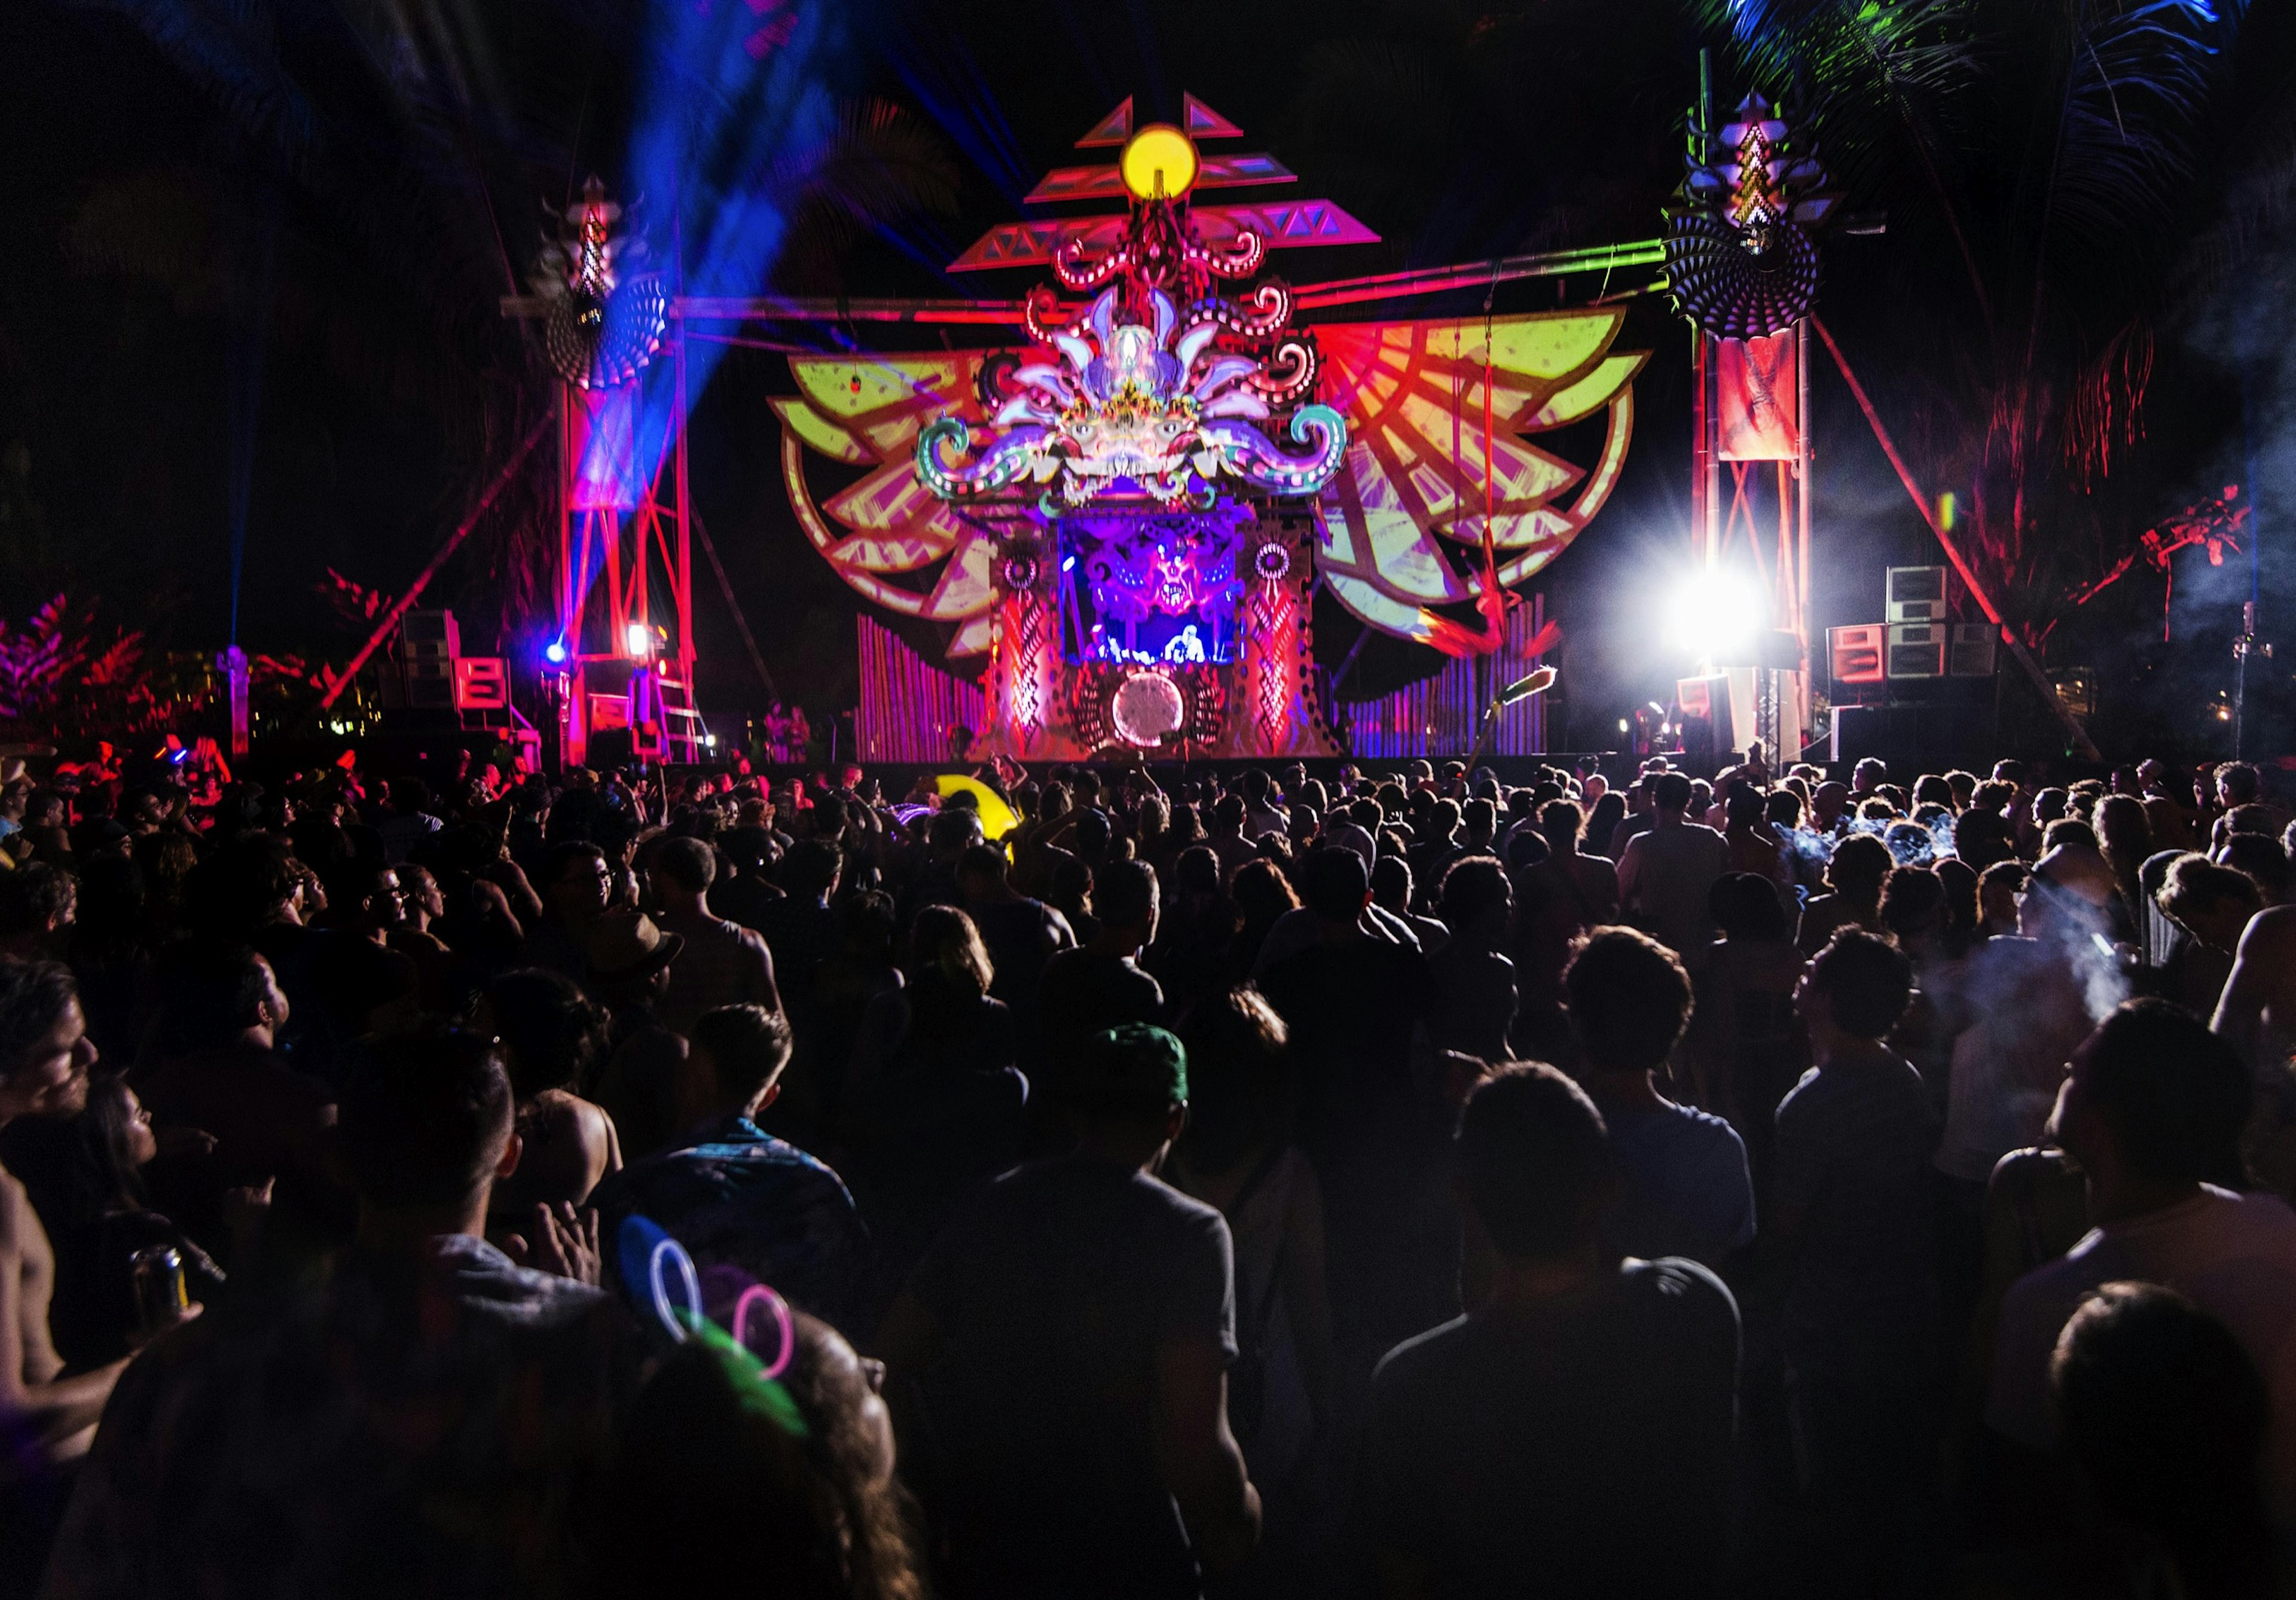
1231,1182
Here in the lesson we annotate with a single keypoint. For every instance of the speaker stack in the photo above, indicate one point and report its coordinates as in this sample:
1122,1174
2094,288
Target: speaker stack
1914,687
428,672
427,643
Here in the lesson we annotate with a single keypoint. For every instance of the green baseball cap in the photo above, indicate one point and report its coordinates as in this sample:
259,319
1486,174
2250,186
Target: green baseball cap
1136,1070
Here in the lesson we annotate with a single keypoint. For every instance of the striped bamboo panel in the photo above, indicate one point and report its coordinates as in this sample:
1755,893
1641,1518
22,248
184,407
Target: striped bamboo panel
909,709
1437,717
1521,728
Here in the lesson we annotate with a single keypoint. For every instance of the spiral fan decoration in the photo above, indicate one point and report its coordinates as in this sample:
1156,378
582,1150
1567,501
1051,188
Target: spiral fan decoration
598,343
1740,261
605,323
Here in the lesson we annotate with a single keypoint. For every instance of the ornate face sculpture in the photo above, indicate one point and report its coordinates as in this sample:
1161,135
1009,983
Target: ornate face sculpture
1154,405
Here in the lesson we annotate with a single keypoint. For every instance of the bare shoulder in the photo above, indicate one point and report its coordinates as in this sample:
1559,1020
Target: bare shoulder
575,1120
2271,932
15,1209
553,1109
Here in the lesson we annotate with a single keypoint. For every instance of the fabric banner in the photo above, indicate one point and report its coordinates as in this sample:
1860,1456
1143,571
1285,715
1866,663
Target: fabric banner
1758,399
602,449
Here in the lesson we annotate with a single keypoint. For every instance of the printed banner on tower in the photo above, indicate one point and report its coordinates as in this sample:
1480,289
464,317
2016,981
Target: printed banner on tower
1758,398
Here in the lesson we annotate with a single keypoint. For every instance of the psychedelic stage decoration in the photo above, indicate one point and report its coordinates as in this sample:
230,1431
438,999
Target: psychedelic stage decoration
1740,256
1120,526
1156,406
605,322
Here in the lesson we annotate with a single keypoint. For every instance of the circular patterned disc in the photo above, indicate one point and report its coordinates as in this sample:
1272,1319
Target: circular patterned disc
1145,707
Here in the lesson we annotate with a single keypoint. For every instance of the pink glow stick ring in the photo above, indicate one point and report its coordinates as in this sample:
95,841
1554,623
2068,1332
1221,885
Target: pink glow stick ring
787,1324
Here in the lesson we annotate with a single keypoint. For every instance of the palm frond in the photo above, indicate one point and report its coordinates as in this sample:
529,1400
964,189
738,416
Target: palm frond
226,49
1841,46
1887,82
2137,80
2104,411
877,168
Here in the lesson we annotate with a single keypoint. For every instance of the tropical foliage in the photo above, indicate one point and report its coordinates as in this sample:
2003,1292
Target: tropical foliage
67,673
55,664
2044,167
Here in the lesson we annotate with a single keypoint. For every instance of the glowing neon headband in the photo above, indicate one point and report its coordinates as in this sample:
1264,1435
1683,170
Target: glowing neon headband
649,1259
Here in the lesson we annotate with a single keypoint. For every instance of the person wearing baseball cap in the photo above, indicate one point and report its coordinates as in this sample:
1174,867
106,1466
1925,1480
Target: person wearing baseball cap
1126,1081
1060,1357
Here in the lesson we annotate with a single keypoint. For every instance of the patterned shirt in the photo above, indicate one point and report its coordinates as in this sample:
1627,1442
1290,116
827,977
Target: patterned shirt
409,1427
738,1197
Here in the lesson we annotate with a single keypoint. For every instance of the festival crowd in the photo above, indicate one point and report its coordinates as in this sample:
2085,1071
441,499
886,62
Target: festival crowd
1118,1181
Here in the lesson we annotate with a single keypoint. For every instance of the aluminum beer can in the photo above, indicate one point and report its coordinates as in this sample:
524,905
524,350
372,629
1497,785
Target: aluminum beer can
161,1297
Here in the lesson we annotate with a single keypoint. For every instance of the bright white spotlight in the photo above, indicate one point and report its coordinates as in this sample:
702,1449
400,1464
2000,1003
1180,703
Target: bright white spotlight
1714,614
638,639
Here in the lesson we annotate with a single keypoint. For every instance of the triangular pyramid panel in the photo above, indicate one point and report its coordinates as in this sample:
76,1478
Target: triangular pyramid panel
1114,128
1202,122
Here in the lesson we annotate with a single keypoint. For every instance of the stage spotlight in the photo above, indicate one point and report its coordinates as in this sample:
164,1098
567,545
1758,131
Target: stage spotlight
1715,615
554,652
637,639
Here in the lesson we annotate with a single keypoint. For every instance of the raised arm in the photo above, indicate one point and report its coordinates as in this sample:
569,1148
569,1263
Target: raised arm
518,893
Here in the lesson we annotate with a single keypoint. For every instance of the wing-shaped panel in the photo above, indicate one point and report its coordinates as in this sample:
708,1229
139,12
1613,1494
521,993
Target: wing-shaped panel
868,412
1414,395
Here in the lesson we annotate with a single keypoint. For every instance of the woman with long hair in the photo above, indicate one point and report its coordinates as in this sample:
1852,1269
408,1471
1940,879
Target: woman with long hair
2125,837
1189,956
1756,846
1743,1038
934,1101
861,967
1154,841
1917,914
1603,822
1237,1155
1263,894
1476,991
84,1177
1555,900
724,1482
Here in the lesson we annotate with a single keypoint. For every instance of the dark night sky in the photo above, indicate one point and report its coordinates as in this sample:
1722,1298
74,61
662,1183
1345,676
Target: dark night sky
118,382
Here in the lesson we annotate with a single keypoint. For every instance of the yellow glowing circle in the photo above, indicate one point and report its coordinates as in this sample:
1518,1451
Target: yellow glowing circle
1159,160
